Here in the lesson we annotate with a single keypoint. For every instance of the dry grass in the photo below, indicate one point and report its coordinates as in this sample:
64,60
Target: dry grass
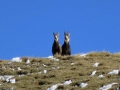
79,72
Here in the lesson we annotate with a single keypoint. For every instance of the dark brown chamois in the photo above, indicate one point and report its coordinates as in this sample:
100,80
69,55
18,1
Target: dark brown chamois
66,50
56,48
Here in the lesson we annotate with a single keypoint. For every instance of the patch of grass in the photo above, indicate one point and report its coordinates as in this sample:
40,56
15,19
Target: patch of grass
59,71
99,54
7,72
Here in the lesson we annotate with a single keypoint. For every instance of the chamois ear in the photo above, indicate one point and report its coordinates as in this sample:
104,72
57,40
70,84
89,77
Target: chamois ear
58,33
68,34
64,33
53,33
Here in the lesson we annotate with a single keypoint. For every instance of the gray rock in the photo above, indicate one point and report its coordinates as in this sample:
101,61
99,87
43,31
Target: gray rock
11,88
4,89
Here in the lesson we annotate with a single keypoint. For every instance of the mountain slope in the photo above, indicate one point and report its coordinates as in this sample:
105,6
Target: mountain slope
81,71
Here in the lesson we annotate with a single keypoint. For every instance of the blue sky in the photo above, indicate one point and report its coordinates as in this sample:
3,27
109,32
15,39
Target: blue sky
27,26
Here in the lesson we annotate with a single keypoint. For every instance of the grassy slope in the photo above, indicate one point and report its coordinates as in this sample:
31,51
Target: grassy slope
78,72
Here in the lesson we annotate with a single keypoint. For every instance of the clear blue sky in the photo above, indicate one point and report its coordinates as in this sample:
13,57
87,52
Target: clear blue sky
27,26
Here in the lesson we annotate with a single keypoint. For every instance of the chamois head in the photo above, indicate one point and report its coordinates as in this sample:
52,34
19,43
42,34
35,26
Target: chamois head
66,37
56,35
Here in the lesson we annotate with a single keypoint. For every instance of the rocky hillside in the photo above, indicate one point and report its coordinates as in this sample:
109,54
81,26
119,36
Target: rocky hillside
92,71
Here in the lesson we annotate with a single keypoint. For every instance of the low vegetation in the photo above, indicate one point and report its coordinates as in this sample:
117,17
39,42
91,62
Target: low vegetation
77,68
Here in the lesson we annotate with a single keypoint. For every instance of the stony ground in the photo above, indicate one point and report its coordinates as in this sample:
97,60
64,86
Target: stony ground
31,73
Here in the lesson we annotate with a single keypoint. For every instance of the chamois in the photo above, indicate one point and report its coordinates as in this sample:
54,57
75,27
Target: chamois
66,50
56,48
